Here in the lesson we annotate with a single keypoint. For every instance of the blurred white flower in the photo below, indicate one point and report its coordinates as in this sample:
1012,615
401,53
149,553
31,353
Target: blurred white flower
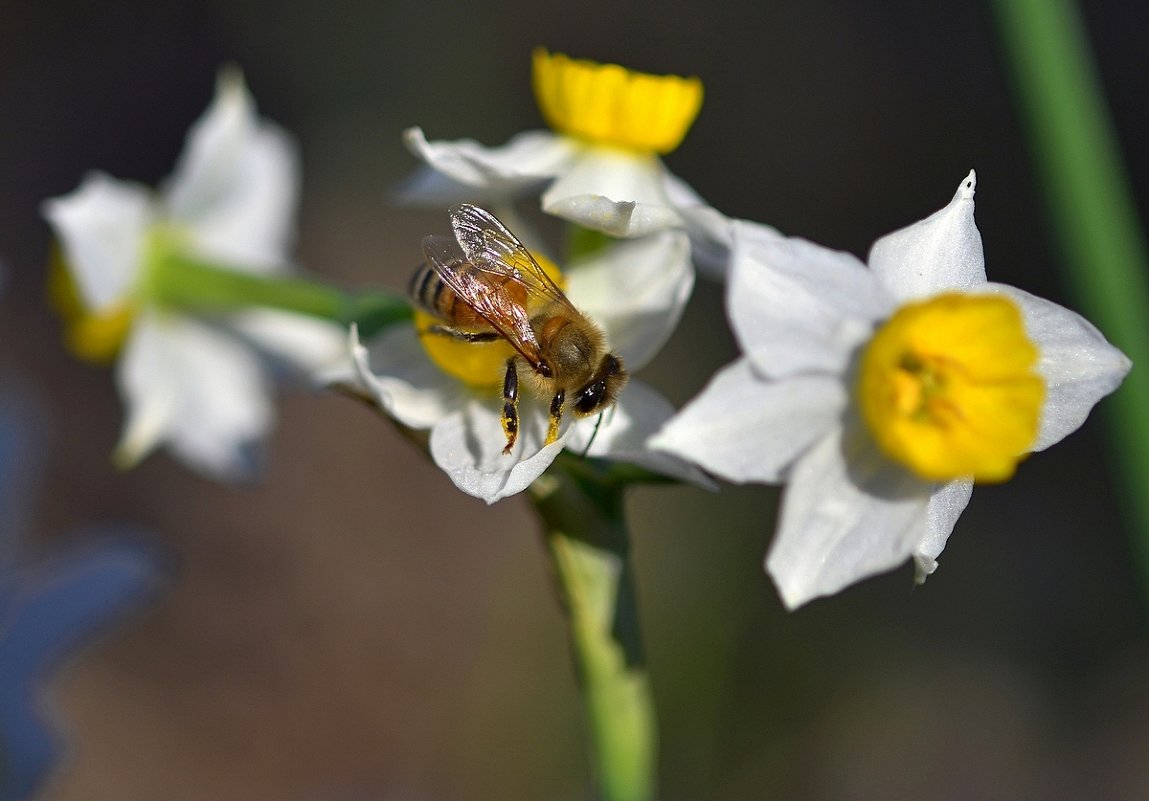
198,384
878,395
634,290
610,125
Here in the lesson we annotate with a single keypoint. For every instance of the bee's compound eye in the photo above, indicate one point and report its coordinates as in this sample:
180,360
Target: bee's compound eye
603,387
590,397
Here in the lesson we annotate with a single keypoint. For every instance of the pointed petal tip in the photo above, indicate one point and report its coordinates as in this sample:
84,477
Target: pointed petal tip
129,453
924,567
414,137
230,84
968,186
1124,363
790,596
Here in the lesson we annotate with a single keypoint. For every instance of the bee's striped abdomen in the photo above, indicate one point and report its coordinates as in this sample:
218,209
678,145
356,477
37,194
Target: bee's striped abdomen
427,289
431,293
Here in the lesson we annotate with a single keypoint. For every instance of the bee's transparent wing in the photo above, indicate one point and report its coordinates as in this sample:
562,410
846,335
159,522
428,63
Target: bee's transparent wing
489,298
489,245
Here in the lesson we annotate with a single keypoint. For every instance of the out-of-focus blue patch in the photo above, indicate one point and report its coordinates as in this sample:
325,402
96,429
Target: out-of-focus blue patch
52,606
47,612
23,443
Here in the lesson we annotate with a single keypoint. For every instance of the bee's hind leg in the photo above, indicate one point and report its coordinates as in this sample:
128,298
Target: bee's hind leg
458,333
510,405
556,416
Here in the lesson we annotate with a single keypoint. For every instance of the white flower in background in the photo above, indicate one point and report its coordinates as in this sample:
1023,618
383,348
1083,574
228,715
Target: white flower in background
198,384
634,290
880,395
610,125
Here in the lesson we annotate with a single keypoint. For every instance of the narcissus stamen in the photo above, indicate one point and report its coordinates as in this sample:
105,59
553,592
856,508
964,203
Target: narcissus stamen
478,364
611,105
947,387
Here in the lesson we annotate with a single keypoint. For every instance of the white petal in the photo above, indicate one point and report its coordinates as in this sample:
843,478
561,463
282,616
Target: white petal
623,433
796,306
745,428
102,227
619,193
523,163
847,513
711,239
305,343
941,252
426,186
1079,366
710,230
468,445
946,506
195,388
396,374
636,290
235,188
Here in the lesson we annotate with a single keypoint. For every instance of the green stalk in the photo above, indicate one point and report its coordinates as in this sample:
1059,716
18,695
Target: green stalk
581,508
1105,252
189,284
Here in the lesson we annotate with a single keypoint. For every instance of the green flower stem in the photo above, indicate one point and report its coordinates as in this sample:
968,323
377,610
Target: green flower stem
1092,205
580,504
190,284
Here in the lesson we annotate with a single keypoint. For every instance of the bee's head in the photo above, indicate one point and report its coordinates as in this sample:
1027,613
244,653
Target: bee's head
603,388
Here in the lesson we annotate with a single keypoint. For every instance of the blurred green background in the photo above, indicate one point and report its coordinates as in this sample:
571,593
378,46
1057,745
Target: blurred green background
354,628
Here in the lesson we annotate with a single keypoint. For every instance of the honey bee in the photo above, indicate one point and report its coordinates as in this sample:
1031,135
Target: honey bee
485,286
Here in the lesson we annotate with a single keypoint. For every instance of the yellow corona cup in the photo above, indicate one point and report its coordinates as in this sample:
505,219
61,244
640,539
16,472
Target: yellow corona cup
947,387
611,105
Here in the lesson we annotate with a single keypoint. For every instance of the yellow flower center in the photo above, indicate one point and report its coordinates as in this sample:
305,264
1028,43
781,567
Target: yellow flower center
96,335
478,364
610,105
91,335
947,387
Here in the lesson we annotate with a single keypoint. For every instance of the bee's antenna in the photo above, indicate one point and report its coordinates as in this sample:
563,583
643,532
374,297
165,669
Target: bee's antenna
598,423
593,434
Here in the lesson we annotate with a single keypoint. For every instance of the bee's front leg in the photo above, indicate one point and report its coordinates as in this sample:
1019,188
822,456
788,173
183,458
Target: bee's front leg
556,416
510,405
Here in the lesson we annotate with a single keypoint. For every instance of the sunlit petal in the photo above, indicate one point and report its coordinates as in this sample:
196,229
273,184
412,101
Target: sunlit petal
102,227
636,290
623,432
1079,366
941,252
468,446
235,188
745,428
619,193
796,306
946,506
847,514
196,389
523,163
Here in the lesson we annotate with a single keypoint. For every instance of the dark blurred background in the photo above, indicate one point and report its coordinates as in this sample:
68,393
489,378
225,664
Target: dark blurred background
354,628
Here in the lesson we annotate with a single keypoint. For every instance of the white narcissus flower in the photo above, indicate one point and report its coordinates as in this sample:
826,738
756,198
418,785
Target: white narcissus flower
879,394
198,384
634,290
610,125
